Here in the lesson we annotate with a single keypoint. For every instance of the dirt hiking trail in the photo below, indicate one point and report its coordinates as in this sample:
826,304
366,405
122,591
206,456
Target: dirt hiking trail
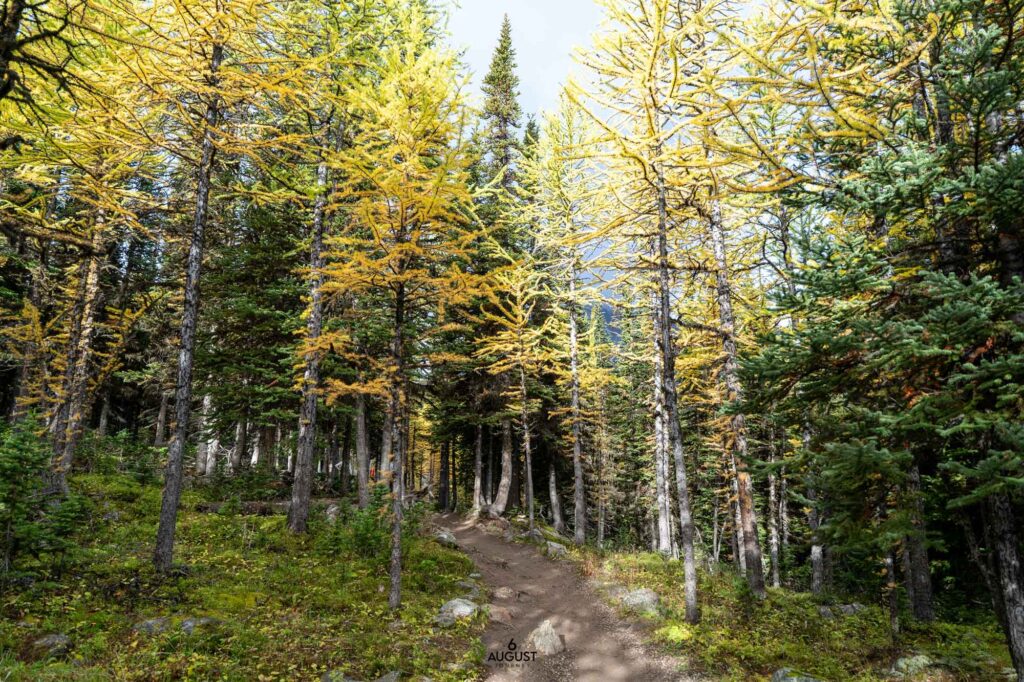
600,645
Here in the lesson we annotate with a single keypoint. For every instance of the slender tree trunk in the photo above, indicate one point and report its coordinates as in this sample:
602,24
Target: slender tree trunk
892,597
524,416
489,481
579,495
160,429
920,571
773,524
443,493
501,499
397,403
104,425
362,452
478,452
298,512
664,537
453,491
164,553
76,388
241,445
733,393
386,443
346,455
556,506
1004,531
203,445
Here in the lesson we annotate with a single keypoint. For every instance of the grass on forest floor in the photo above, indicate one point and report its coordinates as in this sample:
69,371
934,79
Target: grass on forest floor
741,639
286,607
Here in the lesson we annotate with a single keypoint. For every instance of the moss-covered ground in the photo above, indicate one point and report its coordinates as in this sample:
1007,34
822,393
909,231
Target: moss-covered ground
283,607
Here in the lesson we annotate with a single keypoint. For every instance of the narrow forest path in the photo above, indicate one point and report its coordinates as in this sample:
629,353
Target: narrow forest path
600,645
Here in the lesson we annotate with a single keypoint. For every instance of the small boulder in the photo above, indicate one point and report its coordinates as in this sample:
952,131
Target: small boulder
153,626
556,550
535,536
545,641
454,610
336,676
189,625
788,675
644,601
332,513
51,646
472,591
475,576
446,539
851,609
501,614
908,666
505,593
826,612
392,676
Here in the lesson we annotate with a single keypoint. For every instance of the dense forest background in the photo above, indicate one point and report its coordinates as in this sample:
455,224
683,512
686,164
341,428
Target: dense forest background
750,299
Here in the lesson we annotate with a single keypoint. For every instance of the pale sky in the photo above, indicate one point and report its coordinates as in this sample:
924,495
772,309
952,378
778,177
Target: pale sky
544,33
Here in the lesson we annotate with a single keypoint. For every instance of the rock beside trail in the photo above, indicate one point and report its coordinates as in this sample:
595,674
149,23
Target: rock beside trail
830,612
333,512
153,626
908,666
644,601
545,641
788,675
472,591
501,614
505,593
555,550
337,676
446,539
454,610
535,535
56,645
190,625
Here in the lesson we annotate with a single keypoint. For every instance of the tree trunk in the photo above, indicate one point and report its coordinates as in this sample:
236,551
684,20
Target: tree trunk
241,445
442,492
579,496
164,553
76,388
397,403
524,416
298,512
489,481
478,453
917,552
773,524
362,452
733,393
556,506
104,424
664,535
1001,519
160,429
203,446
501,499
346,455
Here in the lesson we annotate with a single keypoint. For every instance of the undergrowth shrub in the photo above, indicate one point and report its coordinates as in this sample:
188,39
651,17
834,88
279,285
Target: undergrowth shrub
34,523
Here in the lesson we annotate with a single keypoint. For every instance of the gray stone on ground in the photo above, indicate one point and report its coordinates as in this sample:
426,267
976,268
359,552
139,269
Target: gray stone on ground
909,666
544,640
789,675
332,513
501,614
472,591
644,600
454,610
851,609
56,645
446,539
152,626
189,625
475,576
553,549
826,612
535,535
336,676
392,676
505,593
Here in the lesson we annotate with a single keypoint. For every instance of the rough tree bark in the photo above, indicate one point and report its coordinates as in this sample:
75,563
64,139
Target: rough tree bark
362,452
917,553
556,506
501,498
733,392
478,454
397,402
298,512
579,497
164,553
